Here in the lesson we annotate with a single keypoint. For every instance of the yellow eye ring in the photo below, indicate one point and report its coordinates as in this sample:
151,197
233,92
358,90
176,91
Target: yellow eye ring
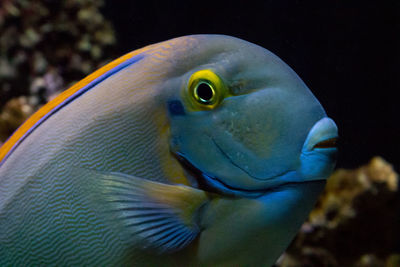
206,89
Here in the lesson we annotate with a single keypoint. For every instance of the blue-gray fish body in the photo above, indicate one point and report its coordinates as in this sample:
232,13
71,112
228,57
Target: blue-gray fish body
201,150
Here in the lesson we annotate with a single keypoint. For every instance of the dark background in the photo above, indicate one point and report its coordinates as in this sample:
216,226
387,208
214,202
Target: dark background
347,53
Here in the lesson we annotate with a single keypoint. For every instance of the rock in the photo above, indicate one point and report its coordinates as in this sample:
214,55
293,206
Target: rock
355,222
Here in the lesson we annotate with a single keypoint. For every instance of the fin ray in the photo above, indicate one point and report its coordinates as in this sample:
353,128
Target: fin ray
159,217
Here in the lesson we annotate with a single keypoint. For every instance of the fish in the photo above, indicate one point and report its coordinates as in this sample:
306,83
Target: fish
203,150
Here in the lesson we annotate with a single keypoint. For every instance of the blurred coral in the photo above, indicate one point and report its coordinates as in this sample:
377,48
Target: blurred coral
355,223
13,114
45,46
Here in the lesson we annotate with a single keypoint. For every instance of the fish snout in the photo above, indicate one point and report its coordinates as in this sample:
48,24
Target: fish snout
322,136
319,153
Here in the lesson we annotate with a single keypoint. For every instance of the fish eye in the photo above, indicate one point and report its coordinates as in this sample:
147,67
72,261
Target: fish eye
204,93
206,89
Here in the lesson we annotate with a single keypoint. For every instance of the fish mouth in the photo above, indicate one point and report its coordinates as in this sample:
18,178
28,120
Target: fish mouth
323,135
212,184
319,153
329,143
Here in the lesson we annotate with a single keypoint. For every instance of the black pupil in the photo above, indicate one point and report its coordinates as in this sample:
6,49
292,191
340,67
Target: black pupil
204,92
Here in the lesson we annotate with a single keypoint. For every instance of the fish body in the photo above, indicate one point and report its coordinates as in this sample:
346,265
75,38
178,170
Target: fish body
201,150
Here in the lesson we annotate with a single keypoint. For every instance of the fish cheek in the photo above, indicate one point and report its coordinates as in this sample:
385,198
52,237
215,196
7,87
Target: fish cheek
254,132
184,132
190,139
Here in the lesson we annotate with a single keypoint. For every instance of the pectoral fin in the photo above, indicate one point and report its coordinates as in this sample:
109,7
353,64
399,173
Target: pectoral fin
159,216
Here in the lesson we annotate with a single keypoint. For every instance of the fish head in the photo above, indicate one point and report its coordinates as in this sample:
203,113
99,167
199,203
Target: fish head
245,122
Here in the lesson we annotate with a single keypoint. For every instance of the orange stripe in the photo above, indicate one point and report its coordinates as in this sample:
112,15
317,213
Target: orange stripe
31,121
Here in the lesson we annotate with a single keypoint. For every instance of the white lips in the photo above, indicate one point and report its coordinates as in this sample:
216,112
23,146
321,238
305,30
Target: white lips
323,130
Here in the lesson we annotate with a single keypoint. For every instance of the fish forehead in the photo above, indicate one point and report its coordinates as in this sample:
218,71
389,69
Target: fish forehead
244,67
231,57
227,55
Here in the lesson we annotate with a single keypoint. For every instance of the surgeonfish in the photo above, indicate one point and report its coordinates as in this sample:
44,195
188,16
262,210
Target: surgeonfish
204,150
